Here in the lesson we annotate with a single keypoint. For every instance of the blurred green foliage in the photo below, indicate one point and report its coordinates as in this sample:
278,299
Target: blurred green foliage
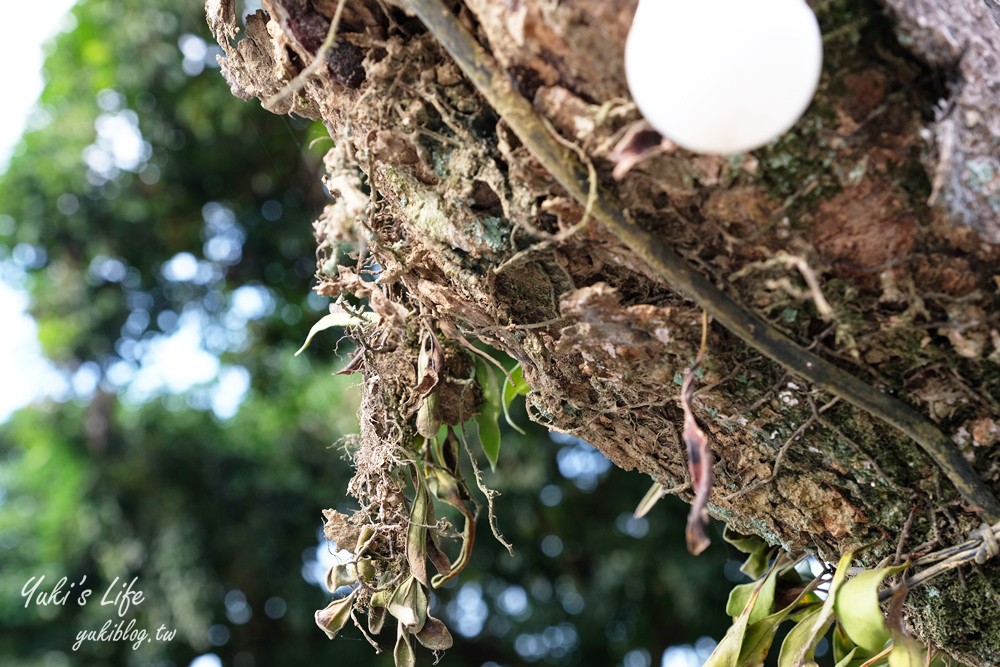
148,197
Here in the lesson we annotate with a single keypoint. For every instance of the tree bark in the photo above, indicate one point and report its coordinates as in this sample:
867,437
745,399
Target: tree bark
869,235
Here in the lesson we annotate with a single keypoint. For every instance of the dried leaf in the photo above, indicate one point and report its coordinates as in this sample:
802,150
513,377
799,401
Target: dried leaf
446,488
423,399
468,540
430,363
639,143
392,313
699,467
435,635
906,651
221,16
428,381
652,497
335,615
354,365
438,558
342,574
403,654
408,603
376,619
421,516
339,529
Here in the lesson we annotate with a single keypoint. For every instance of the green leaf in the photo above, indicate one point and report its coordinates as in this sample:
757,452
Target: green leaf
800,644
757,549
437,444
906,652
858,611
758,639
366,570
489,412
846,660
842,645
727,653
760,635
338,319
335,615
365,534
761,592
519,388
512,391
805,606
814,626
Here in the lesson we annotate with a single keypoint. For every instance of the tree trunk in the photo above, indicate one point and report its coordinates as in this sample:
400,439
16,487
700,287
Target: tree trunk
869,236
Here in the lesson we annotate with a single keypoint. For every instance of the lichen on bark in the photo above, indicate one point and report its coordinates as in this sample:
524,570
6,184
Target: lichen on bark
464,230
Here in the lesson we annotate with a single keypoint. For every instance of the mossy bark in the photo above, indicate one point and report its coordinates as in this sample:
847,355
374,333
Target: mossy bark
882,193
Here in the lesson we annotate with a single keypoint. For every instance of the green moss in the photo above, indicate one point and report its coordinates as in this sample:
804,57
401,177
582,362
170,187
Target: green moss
490,232
960,614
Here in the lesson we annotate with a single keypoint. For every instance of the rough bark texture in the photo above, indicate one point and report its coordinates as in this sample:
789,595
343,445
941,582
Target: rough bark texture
887,192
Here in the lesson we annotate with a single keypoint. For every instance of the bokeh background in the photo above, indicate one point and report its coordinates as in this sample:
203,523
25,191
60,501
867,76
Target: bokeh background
156,258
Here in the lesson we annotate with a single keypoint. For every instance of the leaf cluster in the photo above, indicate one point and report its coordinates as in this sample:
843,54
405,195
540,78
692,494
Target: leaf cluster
830,604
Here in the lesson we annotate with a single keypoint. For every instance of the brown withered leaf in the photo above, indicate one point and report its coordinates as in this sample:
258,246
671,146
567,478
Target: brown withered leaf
699,461
434,635
430,364
354,365
640,142
421,516
438,558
